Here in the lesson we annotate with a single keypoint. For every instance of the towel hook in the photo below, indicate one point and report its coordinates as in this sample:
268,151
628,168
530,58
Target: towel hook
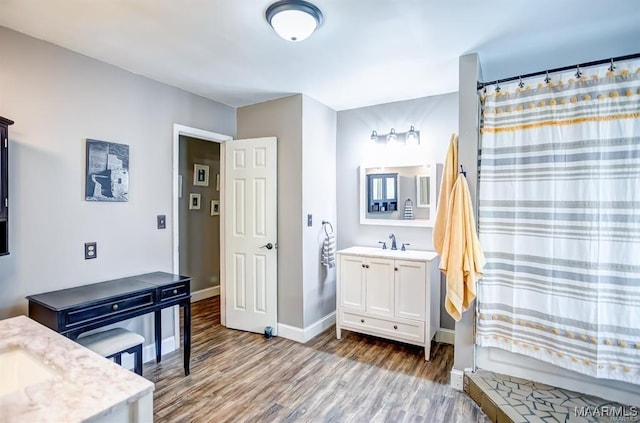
464,173
324,226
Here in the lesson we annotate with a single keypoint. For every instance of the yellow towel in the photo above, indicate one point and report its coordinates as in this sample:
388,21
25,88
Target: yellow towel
449,175
462,257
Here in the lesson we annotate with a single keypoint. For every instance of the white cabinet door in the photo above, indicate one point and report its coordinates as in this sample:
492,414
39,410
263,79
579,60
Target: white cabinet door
352,274
379,286
410,289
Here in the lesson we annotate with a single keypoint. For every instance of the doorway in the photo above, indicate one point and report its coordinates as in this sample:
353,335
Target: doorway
196,220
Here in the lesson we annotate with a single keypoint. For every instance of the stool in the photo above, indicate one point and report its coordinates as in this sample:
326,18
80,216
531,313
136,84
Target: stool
112,343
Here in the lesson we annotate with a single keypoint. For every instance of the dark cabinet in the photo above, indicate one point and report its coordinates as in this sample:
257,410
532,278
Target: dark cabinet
4,185
382,192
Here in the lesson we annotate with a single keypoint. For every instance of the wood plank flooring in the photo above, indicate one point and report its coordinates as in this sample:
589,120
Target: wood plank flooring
242,377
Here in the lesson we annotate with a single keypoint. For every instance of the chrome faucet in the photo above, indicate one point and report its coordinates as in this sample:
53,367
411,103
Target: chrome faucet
392,237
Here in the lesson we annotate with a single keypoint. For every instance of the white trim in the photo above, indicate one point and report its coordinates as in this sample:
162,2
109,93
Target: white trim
195,133
303,335
205,293
446,336
457,379
149,352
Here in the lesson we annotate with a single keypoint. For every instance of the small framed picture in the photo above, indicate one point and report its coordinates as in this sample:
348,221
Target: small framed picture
215,207
194,201
200,175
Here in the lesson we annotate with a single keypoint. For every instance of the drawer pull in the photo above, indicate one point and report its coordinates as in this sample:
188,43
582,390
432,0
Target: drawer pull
114,307
175,292
395,326
361,320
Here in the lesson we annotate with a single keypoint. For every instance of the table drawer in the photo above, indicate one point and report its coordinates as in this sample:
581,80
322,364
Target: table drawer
108,308
393,328
174,291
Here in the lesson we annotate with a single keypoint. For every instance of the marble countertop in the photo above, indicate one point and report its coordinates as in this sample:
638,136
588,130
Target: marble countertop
86,387
391,254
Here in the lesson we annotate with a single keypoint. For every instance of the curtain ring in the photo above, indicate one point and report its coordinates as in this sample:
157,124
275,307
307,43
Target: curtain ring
520,84
498,86
547,79
578,73
612,67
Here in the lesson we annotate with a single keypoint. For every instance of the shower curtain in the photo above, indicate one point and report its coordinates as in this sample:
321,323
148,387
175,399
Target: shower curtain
559,220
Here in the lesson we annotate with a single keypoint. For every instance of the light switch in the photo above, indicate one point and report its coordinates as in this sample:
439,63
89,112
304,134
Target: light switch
309,220
162,221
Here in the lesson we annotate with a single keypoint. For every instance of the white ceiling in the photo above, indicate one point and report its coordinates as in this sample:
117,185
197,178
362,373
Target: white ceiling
366,52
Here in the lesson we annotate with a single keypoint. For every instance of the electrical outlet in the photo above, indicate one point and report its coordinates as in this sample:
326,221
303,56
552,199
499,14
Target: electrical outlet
162,221
457,379
90,250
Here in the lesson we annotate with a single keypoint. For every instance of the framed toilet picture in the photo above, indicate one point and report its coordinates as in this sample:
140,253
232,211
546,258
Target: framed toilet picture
200,175
215,207
194,201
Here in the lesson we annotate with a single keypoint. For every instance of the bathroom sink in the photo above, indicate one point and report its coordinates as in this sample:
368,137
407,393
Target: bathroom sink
20,368
391,254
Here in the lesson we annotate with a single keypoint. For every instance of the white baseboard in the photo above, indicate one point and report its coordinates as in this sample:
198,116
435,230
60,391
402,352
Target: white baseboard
446,336
205,293
303,335
457,379
149,352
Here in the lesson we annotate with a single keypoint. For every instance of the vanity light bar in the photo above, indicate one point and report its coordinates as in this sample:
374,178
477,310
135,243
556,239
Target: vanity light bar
410,137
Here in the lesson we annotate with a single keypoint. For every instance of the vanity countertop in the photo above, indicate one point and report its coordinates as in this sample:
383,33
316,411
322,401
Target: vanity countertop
86,386
390,254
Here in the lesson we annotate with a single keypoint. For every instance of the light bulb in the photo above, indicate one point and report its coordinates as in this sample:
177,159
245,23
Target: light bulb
392,137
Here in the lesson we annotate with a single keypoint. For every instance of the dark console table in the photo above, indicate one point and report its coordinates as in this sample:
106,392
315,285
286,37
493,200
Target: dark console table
75,310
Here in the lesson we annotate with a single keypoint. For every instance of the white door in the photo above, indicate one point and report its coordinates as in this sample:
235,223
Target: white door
351,280
380,286
250,234
410,286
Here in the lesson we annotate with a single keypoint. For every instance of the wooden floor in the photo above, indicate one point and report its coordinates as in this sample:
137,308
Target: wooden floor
242,377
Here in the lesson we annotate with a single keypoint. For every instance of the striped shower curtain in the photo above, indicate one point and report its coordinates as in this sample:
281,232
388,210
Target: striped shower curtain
559,220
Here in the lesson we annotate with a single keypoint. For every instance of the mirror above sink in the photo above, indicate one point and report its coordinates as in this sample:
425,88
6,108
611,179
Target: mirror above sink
398,195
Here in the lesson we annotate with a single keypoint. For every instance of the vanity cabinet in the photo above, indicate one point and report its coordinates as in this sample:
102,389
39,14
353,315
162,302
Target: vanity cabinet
390,294
4,185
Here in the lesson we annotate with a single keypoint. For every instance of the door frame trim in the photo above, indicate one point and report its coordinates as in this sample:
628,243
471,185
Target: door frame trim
203,135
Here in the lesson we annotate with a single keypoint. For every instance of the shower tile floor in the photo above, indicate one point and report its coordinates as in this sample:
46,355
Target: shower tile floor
522,401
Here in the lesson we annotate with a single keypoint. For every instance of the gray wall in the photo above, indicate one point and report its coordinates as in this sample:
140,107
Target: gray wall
58,99
435,117
283,119
319,200
306,131
199,231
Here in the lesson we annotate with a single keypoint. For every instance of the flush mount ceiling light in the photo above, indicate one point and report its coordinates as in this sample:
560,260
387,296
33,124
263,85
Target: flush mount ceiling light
293,20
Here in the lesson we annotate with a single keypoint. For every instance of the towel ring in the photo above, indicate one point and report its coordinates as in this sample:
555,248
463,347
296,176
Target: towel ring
324,226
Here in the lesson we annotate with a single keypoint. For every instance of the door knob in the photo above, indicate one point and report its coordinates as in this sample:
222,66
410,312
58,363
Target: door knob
268,246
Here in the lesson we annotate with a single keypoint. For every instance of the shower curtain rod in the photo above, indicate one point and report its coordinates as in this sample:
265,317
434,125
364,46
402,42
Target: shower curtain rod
481,85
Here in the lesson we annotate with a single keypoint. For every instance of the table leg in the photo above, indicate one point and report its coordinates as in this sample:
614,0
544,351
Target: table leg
158,334
187,335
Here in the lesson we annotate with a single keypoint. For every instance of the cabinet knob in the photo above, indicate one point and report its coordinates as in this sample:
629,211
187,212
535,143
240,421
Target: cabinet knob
361,320
395,326
363,266
395,268
114,307
367,266
175,292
